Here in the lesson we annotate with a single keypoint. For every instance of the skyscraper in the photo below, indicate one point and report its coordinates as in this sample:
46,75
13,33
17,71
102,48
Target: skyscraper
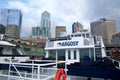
45,24
77,27
105,28
11,17
12,30
60,31
36,32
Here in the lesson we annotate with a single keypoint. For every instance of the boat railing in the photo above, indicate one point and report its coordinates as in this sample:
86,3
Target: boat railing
116,63
31,71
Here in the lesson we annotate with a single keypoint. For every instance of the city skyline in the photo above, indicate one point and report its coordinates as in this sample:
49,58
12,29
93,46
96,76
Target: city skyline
62,13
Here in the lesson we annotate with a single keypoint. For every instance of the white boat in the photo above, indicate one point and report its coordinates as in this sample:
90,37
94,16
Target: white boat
11,51
15,65
84,54
75,46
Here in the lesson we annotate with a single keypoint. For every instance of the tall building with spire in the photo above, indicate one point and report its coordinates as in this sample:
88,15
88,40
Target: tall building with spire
45,24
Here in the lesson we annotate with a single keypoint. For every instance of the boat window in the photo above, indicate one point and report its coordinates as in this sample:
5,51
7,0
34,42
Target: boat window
61,54
72,35
15,52
52,54
87,35
83,35
75,54
59,39
78,35
68,36
68,54
1,50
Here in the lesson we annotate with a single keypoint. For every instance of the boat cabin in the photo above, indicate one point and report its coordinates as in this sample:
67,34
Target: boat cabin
73,47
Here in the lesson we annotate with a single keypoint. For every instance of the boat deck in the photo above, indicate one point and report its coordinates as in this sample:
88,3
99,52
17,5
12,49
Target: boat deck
29,71
68,78
41,71
45,75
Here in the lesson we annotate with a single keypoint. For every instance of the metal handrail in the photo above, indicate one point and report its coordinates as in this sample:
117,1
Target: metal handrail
33,66
117,66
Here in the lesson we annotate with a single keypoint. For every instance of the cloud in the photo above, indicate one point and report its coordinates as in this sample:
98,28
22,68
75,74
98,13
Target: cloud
27,26
19,5
104,9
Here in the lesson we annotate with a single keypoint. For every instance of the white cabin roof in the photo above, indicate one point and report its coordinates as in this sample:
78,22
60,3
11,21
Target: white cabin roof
5,43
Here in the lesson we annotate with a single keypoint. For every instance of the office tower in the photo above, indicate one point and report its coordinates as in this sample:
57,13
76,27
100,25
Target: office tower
116,39
2,29
11,17
45,24
36,32
77,27
60,31
12,30
104,27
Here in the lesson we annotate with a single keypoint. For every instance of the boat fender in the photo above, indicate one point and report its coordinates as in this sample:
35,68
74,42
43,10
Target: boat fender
60,73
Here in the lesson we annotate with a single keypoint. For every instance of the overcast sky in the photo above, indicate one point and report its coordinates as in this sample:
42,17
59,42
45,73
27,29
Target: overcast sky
64,12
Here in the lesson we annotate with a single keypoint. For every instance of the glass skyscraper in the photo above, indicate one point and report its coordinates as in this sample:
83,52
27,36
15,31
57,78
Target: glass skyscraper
11,17
45,24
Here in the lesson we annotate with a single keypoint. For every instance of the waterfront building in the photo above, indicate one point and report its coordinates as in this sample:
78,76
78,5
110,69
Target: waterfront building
105,28
45,24
60,31
12,31
11,17
77,27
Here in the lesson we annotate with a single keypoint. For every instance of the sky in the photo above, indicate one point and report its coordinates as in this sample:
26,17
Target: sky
64,12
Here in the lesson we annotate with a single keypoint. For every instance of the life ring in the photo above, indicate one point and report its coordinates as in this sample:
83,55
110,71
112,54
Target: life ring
60,73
